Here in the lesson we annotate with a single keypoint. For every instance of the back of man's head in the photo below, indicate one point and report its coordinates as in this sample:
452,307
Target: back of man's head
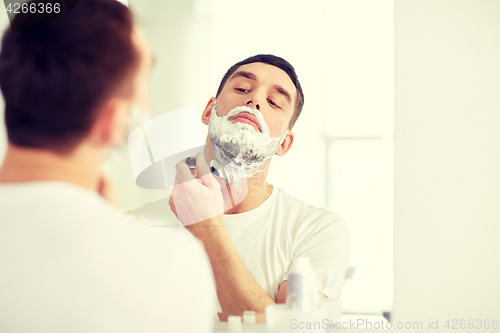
55,76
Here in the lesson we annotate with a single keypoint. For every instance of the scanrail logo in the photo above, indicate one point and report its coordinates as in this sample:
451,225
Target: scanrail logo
164,154
435,324
28,14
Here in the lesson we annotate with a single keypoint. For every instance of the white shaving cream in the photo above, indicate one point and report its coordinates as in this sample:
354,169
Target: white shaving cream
232,139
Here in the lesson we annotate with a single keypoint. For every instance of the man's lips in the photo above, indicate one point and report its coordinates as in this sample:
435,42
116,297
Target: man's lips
246,118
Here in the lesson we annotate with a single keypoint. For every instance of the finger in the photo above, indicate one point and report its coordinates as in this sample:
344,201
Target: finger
193,172
203,171
220,180
172,205
183,172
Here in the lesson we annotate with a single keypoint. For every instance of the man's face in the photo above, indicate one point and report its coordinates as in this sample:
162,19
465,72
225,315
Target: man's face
260,86
123,118
146,61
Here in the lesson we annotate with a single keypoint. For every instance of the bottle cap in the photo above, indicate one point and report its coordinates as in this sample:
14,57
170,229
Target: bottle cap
234,324
249,317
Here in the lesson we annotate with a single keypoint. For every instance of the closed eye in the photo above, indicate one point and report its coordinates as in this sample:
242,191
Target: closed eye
273,104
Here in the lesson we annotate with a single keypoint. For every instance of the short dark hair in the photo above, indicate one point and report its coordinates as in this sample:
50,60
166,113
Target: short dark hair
56,75
277,62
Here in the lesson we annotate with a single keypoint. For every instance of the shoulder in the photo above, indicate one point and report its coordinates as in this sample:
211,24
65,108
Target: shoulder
157,211
304,212
311,224
171,239
165,247
112,225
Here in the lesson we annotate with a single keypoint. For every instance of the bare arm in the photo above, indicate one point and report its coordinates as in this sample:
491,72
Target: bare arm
237,290
281,298
197,202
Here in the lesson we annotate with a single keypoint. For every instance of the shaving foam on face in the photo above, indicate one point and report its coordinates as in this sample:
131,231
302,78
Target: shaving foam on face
231,139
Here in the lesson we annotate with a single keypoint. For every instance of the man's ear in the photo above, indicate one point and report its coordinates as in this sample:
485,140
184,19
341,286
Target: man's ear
111,123
286,145
207,113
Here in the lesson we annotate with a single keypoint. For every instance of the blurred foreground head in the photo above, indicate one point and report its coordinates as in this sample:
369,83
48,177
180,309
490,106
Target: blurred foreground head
72,78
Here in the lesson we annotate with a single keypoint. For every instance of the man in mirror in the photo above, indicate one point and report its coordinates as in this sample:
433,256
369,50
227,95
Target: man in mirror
253,241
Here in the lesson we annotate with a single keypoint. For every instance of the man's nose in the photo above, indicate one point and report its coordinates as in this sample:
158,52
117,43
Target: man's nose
250,103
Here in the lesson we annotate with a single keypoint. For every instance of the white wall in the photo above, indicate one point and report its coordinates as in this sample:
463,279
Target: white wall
447,160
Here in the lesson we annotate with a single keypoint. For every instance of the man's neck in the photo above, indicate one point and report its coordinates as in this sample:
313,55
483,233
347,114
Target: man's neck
258,190
27,165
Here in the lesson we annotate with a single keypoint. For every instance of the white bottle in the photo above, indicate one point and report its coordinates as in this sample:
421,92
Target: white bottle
249,317
234,324
298,296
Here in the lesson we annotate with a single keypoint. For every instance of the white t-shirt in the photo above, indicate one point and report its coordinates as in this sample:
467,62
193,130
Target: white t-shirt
70,262
270,237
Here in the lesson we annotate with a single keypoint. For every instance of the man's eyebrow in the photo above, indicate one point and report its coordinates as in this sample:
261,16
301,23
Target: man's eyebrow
285,93
252,76
248,75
